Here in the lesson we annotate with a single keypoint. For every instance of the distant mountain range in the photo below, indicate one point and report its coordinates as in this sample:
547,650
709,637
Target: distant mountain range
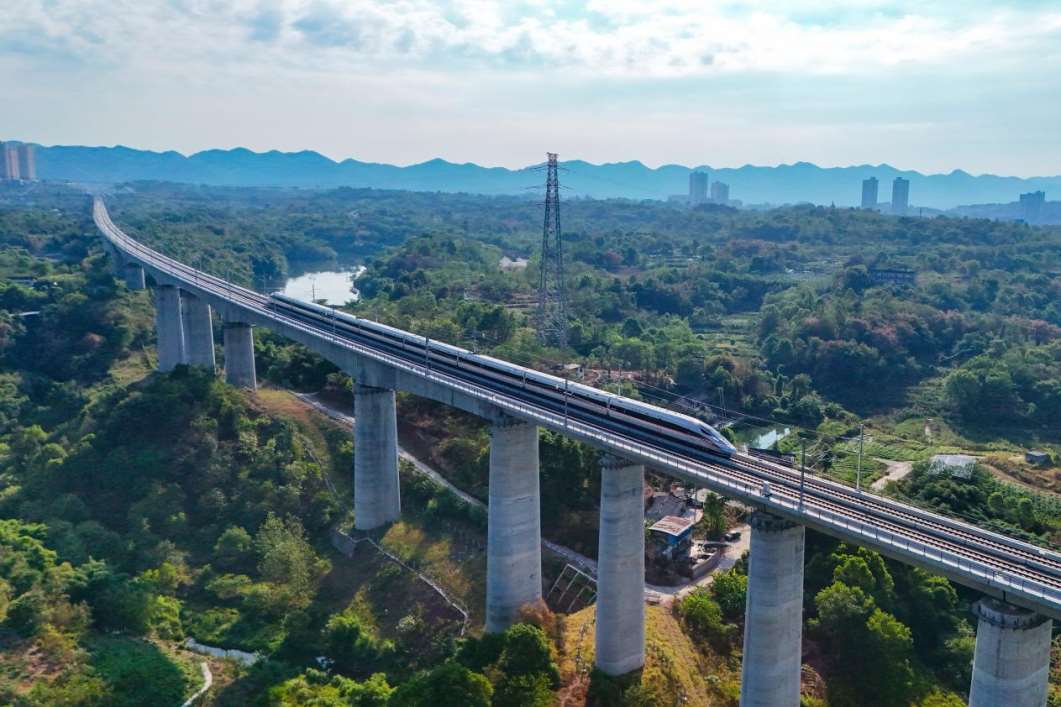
800,182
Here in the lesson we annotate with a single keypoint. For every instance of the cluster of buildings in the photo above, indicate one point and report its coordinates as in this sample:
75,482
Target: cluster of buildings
1031,206
900,195
19,162
699,193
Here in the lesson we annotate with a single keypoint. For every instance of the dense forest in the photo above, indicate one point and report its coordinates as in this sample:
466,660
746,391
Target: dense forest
140,510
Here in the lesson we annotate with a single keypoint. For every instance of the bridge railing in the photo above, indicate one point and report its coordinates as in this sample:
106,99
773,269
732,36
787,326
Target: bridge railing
722,479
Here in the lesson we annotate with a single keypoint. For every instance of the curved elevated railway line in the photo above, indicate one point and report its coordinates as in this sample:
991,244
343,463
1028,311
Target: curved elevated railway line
1020,572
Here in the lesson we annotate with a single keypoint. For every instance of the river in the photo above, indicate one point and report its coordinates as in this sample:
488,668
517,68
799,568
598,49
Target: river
762,437
325,286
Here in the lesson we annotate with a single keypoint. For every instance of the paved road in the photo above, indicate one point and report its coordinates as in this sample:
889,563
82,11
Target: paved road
208,681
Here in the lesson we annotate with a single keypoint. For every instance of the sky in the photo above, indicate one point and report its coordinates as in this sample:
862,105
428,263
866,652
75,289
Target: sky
932,86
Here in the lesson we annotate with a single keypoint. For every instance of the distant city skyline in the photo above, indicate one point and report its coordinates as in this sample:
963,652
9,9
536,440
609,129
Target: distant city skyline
928,87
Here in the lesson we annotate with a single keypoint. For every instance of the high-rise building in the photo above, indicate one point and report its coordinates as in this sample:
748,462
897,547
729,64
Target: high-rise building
869,193
719,192
900,195
1031,205
9,163
27,162
697,187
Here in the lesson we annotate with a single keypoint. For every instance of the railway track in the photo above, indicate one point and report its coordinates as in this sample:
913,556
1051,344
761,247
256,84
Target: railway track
981,555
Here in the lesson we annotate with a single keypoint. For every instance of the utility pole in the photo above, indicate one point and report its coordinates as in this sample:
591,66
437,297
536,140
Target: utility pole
567,396
552,297
802,470
858,472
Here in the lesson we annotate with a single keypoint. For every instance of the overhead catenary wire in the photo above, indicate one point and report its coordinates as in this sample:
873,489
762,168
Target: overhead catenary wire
876,523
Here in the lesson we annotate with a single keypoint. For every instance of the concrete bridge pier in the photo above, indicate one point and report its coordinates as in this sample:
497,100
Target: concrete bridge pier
1011,665
514,546
168,327
620,629
134,277
377,497
773,625
239,355
198,331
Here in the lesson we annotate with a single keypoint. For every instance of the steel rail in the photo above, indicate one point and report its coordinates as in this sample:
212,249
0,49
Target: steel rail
961,550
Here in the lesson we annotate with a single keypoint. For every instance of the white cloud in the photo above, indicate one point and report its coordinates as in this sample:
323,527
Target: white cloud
619,38
721,82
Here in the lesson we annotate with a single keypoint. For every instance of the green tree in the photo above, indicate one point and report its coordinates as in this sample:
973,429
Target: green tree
317,689
165,618
26,614
689,373
714,519
289,562
842,611
890,647
351,646
529,690
233,548
854,572
703,617
527,652
448,685
632,328
730,590
930,609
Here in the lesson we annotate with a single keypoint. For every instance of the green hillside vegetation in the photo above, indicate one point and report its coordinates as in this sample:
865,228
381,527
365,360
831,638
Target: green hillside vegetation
140,509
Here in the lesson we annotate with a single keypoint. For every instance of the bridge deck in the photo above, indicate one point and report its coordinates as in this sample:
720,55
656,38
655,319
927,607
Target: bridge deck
1015,571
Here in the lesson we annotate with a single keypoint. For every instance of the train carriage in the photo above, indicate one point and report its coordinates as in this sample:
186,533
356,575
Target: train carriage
638,418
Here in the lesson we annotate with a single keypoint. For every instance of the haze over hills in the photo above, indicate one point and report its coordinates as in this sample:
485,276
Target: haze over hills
799,182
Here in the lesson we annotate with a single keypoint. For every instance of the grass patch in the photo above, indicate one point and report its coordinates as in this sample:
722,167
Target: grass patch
454,555
845,465
139,673
676,671
314,426
134,367
1012,467
22,665
331,443
227,627
381,594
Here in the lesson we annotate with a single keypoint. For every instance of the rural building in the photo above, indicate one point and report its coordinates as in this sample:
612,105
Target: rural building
957,465
1038,457
672,536
892,276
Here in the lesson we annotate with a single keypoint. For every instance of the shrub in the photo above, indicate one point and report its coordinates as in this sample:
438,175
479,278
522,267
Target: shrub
730,590
166,618
234,548
448,685
25,615
702,616
351,646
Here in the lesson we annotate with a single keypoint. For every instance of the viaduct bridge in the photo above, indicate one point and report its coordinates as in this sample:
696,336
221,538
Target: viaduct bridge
1021,582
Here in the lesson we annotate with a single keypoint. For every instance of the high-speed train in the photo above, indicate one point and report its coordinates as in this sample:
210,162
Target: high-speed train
636,418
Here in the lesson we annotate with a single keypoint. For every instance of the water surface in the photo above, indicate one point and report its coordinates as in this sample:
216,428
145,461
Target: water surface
325,286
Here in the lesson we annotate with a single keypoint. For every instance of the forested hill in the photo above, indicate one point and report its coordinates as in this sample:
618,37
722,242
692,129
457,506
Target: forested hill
793,183
139,509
